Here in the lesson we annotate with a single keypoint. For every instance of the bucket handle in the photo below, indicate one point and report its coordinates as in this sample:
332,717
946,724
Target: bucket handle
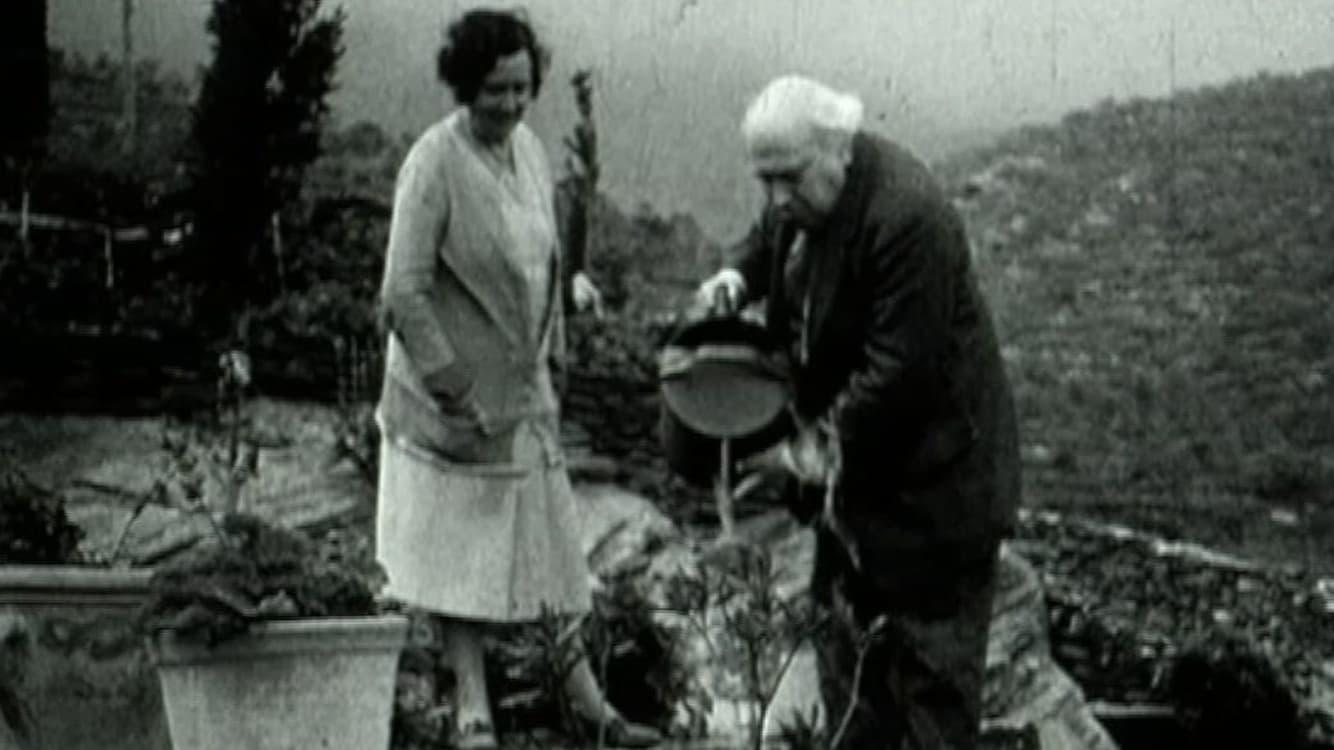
723,304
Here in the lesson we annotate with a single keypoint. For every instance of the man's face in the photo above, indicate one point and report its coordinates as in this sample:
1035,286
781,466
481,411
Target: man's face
801,181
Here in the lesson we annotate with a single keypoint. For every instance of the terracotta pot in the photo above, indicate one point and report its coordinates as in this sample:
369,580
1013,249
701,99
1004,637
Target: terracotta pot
284,685
73,656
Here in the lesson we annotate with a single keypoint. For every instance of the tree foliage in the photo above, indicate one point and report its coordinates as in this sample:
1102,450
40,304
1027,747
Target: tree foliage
24,77
34,527
87,133
257,126
584,169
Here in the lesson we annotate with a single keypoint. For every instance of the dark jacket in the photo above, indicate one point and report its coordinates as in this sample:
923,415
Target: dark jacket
903,360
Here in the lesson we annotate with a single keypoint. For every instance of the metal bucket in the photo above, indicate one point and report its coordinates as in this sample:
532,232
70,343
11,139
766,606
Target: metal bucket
721,378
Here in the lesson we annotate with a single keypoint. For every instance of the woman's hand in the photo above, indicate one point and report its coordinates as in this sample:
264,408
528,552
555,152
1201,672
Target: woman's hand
452,389
449,385
468,409
586,294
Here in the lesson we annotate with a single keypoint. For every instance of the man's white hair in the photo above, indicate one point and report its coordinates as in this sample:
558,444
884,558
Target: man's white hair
793,109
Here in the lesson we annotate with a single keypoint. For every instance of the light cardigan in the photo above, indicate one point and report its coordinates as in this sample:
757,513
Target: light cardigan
457,299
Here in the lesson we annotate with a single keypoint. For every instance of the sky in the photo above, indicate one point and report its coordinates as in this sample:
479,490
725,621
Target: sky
672,77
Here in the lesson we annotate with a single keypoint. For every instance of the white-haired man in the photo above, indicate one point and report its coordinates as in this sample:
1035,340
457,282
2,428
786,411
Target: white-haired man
906,450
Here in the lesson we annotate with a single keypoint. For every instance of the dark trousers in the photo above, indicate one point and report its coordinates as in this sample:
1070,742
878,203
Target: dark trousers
914,682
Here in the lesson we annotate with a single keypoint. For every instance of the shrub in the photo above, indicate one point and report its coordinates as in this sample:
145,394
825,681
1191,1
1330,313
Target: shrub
1229,695
641,659
34,527
256,572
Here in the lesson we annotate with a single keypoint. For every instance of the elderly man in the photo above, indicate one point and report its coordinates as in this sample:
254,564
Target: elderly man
906,448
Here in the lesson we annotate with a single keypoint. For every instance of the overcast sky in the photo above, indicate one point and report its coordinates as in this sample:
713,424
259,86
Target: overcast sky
673,75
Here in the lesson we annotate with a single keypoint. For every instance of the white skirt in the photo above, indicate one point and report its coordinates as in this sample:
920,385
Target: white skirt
493,546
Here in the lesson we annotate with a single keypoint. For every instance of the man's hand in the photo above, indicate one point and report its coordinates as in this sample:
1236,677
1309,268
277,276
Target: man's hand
804,456
586,295
811,456
773,460
726,286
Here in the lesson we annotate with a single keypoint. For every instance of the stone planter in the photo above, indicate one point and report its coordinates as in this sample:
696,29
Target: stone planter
284,685
71,653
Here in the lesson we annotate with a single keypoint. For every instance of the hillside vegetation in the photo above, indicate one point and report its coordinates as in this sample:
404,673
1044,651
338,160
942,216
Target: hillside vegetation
1161,274
1158,269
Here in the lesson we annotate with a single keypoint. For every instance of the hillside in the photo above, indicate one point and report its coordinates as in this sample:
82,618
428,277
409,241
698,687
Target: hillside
1161,274
1157,269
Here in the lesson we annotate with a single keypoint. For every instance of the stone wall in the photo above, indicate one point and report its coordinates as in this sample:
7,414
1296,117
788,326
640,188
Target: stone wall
612,410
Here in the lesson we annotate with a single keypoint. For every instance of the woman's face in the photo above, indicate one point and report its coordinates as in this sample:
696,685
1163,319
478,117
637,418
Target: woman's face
503,97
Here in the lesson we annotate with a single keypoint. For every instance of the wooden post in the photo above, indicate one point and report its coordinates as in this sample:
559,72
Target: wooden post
109,257
1173,206
277,229
130,84
26,206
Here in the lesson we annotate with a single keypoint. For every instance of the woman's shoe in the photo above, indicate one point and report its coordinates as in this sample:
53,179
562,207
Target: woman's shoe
617,732
476,735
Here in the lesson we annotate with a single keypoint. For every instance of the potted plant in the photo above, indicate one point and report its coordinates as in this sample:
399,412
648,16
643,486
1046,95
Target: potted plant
265,639
68,626
69,646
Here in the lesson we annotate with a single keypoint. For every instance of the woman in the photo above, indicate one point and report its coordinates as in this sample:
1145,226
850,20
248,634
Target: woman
477,521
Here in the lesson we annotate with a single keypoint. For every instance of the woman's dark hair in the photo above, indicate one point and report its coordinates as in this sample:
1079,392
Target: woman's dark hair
476,41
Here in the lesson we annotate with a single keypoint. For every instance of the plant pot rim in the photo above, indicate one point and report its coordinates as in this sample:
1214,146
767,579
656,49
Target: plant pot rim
308,635
73,583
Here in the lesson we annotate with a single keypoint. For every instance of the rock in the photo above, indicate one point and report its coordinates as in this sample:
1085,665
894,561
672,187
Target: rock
1002,173
1284,516
1037,455
102,465
591,468
1026,691
1025,687
620,528
1125,604
1097,217
1314,381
